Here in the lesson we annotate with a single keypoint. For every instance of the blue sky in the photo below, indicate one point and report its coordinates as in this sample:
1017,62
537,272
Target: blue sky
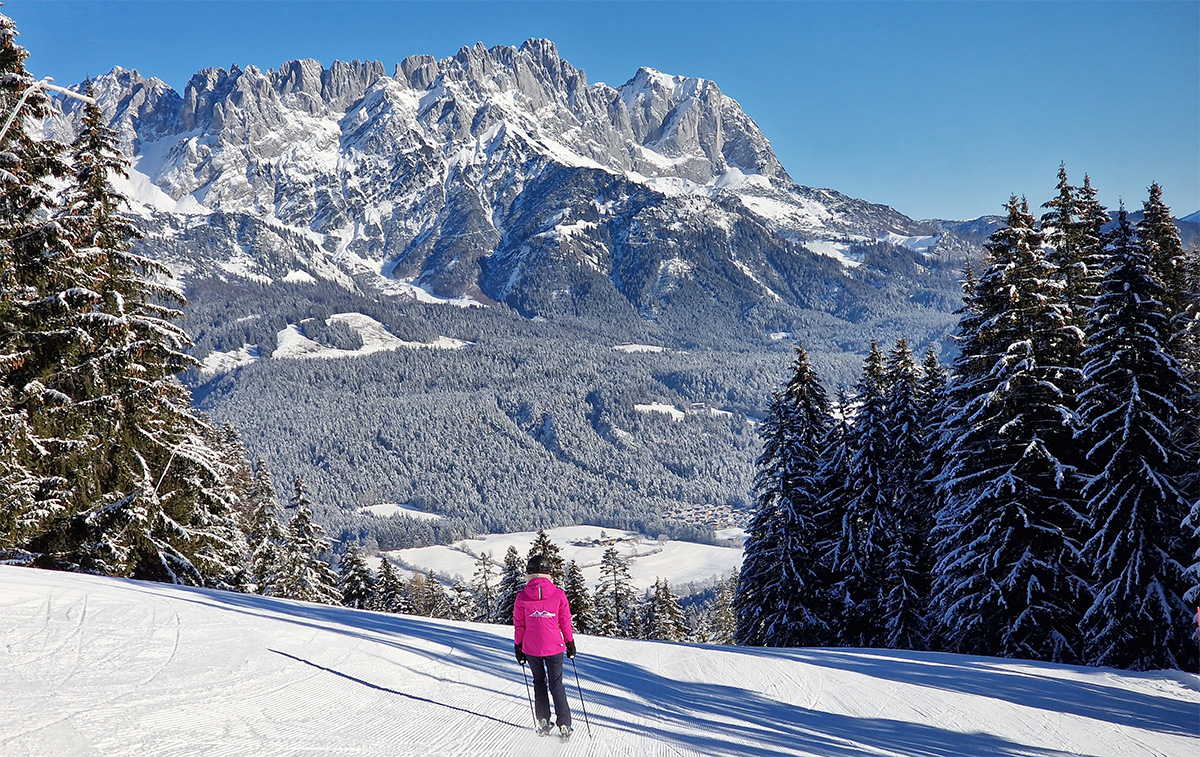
939,109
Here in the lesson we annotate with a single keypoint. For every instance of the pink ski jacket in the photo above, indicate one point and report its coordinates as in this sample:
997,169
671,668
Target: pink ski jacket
542,618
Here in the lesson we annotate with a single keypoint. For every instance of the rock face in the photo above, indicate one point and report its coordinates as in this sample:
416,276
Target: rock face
501,175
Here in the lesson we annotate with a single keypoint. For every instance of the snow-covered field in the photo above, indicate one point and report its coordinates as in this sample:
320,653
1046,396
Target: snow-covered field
99,666
678,562
291,343
388,510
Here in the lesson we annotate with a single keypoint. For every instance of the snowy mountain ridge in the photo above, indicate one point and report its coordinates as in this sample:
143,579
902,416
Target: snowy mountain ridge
116,667
496,174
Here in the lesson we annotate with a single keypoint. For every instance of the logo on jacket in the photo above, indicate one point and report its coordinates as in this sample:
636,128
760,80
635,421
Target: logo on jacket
542,614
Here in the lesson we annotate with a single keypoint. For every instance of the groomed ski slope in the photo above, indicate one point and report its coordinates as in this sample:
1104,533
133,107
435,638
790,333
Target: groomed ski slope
98,666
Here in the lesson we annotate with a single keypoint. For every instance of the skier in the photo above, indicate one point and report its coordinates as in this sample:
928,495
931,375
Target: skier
542,632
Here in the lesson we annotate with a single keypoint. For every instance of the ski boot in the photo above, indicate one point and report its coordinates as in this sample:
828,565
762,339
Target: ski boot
564,732
542,728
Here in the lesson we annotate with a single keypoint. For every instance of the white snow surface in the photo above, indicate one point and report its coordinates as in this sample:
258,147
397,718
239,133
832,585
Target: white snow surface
633,348
679,562
292,343
661,407
223,362
388,510
102,666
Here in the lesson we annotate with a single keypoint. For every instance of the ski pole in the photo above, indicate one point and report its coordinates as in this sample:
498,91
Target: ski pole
527,694
581,704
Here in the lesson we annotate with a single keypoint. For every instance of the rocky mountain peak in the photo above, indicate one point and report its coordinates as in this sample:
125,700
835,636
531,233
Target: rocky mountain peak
498,174
138,109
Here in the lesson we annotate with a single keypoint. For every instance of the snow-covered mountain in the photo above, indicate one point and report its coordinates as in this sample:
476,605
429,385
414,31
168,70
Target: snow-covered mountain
497,174
102,666
499,202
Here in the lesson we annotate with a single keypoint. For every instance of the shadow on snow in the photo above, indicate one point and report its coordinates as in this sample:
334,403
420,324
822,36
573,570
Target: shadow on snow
690,715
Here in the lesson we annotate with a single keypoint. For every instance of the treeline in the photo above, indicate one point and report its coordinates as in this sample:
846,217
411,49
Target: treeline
1038,500
611,608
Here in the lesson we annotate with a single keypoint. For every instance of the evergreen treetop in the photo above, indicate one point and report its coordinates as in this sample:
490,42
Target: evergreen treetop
1140,551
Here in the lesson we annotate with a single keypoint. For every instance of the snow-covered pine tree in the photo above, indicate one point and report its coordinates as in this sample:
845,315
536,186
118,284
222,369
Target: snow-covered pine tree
719,621
663,619
543,545
29,499
931,391
579,598
303,574
1008,579
953,387
485,588
1092,218
760,559
1160,238
1178,270
461,601
391,594
615,601
1072,248
932,399
833,481
155,490
355,580
906,585
512,580
865,531
931,386
781,593
32,257
1135,397
266,533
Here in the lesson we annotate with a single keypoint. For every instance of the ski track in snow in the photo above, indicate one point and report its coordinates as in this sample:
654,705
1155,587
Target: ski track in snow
96,666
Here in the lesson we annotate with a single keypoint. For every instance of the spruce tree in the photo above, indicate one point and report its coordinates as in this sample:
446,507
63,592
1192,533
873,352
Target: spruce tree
355,581
664,619
461,602
391,593
485,588
719,621
861,547
1178,271
1136,397
1160,238
143,486
512,581
781,593
1073,248
33,259
616,608
1008,579
1092,218
579,598
905,584
931,392
303,573
754,598
266,535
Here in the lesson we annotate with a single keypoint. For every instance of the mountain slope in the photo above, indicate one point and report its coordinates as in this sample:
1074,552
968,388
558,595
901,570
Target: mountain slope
106,666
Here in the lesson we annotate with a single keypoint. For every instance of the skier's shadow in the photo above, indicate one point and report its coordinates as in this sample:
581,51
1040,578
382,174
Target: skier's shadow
386,690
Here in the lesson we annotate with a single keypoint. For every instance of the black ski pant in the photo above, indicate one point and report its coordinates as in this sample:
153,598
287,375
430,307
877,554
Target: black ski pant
548,671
